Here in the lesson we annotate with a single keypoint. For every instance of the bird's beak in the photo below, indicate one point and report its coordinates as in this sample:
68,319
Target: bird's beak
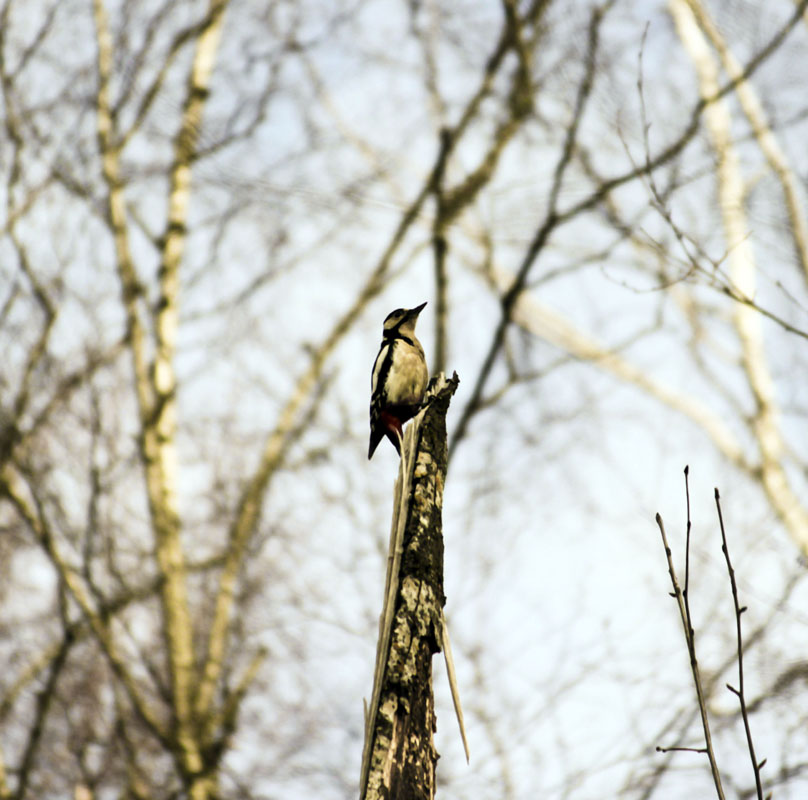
414,312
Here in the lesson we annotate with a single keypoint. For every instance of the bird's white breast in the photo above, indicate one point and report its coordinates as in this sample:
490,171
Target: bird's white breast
407,378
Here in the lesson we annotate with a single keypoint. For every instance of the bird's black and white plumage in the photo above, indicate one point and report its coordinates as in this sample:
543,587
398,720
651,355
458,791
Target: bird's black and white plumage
399,378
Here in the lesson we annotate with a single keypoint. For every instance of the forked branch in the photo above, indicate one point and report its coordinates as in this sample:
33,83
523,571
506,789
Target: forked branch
684,612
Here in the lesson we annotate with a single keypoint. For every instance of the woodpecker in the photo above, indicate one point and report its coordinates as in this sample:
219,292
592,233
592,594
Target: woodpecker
399,378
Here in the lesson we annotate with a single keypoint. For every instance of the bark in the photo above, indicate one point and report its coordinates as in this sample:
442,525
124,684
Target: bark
400,757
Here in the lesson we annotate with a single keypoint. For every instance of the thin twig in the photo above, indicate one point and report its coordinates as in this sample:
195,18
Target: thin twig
681,749
687,553
694,666
739,692
440,246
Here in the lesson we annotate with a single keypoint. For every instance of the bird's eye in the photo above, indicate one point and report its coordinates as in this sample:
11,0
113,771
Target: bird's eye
395,315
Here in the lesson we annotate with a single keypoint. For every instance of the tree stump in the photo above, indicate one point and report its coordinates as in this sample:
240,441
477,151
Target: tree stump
399,755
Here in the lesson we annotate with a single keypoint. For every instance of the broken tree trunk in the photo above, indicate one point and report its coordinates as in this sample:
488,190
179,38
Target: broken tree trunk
399,754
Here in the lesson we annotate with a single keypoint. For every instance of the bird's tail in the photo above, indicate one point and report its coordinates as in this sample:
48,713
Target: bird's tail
375,438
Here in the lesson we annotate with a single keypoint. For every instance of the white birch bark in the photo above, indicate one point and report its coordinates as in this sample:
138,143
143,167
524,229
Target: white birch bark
742,271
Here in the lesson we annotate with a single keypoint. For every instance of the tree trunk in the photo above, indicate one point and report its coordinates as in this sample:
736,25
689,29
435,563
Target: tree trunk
399,756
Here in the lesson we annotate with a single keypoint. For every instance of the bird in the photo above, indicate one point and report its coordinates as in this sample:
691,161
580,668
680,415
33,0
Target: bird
398,380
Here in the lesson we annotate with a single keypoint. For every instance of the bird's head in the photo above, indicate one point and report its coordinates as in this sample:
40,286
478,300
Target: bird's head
402,320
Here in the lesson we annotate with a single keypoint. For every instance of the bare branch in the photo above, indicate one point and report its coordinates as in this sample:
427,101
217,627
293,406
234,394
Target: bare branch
742,268
11,487
555,217
694,666
739,692
551,221
44,698
765,136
